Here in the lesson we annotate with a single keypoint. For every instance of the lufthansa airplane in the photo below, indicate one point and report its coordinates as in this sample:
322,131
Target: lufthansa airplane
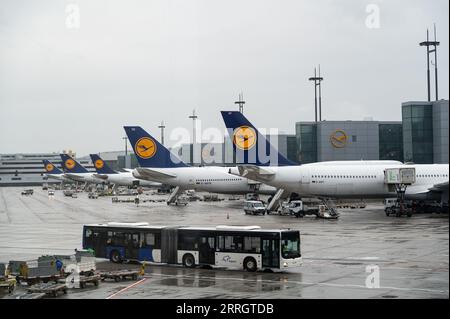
107,174
76,172
51,171
157,163
346,179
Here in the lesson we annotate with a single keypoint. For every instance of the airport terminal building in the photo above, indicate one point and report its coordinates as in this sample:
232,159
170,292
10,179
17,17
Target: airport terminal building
425,132
349,140
28,169
421,137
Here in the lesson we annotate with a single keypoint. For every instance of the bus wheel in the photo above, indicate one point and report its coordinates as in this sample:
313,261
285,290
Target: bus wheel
250,264
188,261
114,256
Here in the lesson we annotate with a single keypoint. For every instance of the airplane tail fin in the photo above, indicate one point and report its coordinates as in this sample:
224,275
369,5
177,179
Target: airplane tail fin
250,146
149,152
50,168
100,166
72,166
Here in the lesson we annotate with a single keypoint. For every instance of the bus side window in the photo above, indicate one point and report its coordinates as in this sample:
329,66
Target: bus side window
148,240
135,240
230,243
252,244
187,242
225,243
238,243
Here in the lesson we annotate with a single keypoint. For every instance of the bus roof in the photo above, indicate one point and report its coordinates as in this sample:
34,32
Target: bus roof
145,225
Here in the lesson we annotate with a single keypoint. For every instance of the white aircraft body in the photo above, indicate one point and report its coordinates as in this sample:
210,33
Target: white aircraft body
350,180
110,176
159,165
206,179
346,179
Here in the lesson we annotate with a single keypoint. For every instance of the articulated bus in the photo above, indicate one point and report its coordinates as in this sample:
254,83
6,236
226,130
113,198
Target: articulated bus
245,247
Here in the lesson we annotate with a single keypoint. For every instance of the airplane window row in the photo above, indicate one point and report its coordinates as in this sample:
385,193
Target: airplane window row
344,176
432,175
219,180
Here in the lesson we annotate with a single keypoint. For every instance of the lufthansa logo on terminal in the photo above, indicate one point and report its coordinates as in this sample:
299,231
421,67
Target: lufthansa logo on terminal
338,139
99,164
70,163
49,167
145,148
245,138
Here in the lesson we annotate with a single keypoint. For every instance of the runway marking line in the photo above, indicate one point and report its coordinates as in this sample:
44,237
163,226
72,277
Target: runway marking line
127,288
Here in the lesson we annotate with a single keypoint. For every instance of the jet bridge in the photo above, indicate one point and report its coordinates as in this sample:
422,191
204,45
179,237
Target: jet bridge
398,180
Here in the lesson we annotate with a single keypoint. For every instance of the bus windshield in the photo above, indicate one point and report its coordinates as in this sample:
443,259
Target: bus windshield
290,244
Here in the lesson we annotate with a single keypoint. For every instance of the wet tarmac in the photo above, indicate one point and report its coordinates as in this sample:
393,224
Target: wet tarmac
411,254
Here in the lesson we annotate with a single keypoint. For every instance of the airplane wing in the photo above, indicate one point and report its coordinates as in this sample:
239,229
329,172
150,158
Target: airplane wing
423,192
101,176
442,187
152,174
423,189
74,177
257,173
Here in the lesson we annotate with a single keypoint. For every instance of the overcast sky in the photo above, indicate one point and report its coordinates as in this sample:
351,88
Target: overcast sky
140,62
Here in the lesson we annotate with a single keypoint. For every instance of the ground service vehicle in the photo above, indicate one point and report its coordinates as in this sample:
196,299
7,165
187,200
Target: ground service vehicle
254,207
244,247
27,192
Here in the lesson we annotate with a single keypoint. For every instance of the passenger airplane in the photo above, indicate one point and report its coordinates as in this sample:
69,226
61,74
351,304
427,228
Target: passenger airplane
346,179
158,164
53,172
75,171
105,173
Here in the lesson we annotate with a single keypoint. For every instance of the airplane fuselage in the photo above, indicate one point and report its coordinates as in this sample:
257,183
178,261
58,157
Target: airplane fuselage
59,177
127,179
84,177
207,179
353,181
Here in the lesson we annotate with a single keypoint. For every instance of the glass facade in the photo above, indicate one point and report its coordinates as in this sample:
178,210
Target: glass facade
391,142
418,133
292,149
307,142
121,162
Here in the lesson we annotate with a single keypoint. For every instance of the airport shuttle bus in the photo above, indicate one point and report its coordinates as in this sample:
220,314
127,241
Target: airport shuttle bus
244,247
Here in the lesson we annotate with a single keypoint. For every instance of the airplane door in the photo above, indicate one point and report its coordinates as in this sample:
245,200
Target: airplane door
305,178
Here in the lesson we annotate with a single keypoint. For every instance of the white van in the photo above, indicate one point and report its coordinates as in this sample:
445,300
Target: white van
254,207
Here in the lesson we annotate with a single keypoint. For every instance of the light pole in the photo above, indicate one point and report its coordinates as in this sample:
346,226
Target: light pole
241,102
162,127
194,118
433,44
317,83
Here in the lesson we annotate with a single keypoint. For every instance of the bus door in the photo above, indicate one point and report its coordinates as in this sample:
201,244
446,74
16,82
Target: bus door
147,242
270,253
95,239
207,250
132,246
